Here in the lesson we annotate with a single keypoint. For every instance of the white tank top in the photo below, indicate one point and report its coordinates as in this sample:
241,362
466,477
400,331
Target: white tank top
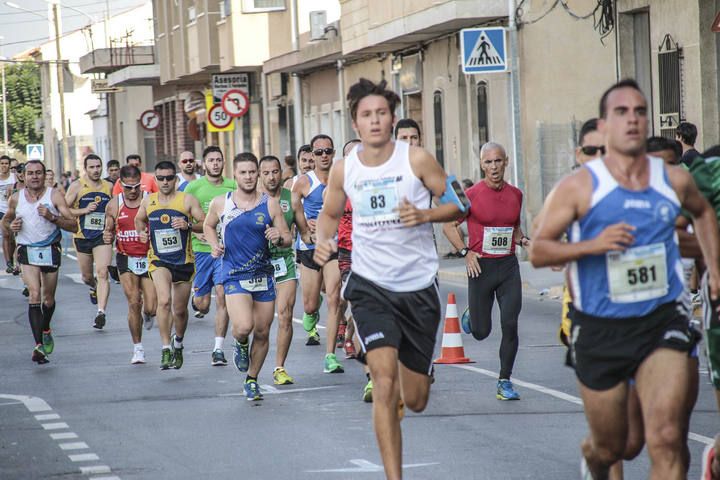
395,257
35,229
6,188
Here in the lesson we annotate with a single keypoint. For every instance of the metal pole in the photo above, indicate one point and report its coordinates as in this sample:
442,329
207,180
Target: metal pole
297,84
6,140
67,165
265,117
519,178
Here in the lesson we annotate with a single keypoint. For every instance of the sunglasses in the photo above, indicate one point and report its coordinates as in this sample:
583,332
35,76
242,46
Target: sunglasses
591,150
131,187
165,178
191,160
326,151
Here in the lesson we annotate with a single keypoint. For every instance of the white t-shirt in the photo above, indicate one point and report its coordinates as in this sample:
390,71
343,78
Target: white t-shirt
6,188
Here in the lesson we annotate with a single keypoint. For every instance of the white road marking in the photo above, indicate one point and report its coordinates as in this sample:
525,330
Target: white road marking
33,404
54,426
365,466
47,416
63,436
270,390
71,256
83,457
562,396
91,470
74,446
104,478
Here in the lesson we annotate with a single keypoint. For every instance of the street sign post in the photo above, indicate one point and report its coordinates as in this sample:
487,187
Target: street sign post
149,120
35,151
217,119
235,103
483,50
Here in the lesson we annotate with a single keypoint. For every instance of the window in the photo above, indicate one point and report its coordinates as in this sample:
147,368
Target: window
254,6
439,131
225,8
482,113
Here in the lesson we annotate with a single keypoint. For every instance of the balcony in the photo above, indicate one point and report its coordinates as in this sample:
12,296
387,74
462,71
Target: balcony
107,60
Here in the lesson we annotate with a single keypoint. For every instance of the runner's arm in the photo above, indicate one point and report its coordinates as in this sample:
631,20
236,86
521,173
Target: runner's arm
66,220
210,226
451,233
196,212
278,221
429,171
10,214
296,195
688,242
141,220
71,197
110,215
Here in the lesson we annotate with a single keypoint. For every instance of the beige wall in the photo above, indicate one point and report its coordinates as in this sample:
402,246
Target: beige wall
130,104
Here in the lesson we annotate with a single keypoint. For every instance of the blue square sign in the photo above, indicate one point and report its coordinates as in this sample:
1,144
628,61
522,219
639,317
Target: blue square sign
483,50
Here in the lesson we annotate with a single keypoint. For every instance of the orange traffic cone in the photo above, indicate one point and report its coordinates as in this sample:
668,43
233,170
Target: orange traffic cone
452,346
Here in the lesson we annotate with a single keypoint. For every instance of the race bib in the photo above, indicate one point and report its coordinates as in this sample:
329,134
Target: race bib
138,265
255,284
94,221
638,274
378,201
280,267
168,240
497,240
40,256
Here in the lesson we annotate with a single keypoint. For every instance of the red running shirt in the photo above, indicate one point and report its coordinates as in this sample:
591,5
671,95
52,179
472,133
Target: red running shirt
345,227
127,239
494,217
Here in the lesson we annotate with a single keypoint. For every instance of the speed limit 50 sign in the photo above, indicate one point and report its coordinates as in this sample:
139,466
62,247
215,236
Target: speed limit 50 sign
217,119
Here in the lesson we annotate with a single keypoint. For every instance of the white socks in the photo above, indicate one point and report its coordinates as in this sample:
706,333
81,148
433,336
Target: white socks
218,343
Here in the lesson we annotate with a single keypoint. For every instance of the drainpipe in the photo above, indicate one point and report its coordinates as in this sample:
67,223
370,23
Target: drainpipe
297,84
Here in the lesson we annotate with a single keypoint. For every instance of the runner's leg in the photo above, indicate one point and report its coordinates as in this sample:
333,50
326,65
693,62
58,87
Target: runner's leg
181,294
331,276
31,276
162,279
310,281
509,297
285,305
49,286
415,388
102,255
149,297
221,313
481,295
263,313
85,261
131,286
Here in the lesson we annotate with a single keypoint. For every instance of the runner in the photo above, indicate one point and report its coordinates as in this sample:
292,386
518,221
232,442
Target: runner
626,277
187,173
88,196
207,268
407,130
307,201
131,258
7,180
283,261
164,220
113,171
36,214
306,163
249,219
149,185
393,285
492,267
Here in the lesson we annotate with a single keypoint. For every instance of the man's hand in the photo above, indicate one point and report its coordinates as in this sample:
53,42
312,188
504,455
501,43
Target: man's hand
323,251
272,234
307,239
44,212
614,237
410,215
312,224
201,237
108,237
16,225
217,250
179,223
525,242
472,264
143,234
92,206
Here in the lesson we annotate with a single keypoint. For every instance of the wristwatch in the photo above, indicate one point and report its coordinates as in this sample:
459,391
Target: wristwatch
464,252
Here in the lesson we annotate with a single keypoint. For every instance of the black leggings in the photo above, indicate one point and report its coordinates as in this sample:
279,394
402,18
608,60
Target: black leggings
500,278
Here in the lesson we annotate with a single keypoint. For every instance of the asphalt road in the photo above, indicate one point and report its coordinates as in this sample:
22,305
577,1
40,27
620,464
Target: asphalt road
90,414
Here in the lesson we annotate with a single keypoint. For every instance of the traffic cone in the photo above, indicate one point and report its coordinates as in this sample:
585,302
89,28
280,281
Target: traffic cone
452,346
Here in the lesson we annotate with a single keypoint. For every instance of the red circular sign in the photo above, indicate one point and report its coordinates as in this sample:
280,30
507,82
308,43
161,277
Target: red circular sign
235,102
218,117
150,120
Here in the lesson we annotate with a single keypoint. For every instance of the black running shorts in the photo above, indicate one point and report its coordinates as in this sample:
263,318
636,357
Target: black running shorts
406,321
83,245
180,273
305,257
39,257
607,351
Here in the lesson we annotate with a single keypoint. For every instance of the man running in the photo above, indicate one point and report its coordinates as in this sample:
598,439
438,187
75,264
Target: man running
307,198
248,219
393,284
305,163
149,185
36,214
113,171
88,196
207,268
626,277
283,262
187,173
132,262
7,180
407,130
164,220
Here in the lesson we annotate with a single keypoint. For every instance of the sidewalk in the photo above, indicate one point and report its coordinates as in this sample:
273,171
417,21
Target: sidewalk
535,280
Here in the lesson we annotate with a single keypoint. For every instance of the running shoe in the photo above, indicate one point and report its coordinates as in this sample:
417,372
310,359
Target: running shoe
310,321
707,461
367,392
340,340
241,356
48,342
39,356
281,377
10,268
99,320
148,321
350,349
465,320
252,391
313,337
26,292
167,359
138,356
177,362
16,272
332,365
93,296
505,391
218,358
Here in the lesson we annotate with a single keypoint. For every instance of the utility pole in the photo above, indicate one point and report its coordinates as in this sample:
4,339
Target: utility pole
67,165
6,140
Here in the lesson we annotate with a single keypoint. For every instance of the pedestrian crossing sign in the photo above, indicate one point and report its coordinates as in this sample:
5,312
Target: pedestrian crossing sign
483,50
35,151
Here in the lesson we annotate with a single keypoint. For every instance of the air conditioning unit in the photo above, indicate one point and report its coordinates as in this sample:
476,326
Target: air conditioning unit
318,22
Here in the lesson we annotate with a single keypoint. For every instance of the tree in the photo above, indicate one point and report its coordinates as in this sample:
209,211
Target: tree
22,87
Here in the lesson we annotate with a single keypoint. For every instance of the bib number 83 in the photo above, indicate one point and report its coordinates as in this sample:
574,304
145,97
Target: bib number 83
377,201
